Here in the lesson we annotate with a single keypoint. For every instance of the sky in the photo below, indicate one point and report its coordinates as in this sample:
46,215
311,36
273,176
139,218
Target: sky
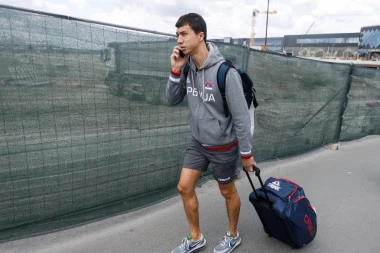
224,18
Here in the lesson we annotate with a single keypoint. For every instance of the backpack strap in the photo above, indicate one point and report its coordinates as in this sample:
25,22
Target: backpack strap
248,88
186,70
221,80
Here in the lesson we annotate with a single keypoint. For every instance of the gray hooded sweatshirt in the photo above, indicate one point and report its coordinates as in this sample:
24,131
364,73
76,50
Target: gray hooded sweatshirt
208,123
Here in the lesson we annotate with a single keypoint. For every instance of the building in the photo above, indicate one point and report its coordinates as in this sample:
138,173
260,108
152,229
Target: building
273,43
331,46
338,45
369,42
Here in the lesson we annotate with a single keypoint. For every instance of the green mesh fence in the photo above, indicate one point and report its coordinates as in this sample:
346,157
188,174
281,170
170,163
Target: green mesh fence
85,132
301,103
362,114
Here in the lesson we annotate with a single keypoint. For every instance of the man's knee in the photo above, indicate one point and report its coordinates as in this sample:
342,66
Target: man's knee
187,181
228,191
184,189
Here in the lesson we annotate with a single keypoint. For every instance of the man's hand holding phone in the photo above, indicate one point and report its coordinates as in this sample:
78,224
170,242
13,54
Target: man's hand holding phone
181,54
178,59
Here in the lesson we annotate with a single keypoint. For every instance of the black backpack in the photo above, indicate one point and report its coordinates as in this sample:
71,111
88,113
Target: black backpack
248,89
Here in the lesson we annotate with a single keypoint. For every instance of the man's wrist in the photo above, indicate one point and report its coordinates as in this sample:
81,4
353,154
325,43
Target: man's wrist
245,157
175,72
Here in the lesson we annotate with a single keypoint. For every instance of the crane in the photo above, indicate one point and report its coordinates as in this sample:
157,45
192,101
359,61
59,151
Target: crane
309,28
253,24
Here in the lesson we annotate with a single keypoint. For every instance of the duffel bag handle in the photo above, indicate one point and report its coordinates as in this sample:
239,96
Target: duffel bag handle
257,173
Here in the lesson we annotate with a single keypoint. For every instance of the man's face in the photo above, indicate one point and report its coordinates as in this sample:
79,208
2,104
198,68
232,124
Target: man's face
188,40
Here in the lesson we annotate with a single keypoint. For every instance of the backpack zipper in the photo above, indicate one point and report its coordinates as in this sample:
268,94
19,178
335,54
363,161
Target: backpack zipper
299,199
293,183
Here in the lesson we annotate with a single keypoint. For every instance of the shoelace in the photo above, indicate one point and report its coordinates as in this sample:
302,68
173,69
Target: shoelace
185,243
225,240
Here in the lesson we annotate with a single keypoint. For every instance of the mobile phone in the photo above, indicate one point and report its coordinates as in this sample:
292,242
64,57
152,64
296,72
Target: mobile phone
181,53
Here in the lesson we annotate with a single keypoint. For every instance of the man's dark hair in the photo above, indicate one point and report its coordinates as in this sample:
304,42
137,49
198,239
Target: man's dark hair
195,21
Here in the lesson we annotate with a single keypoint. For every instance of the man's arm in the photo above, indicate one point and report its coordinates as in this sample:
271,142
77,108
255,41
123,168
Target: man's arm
240,116
176,86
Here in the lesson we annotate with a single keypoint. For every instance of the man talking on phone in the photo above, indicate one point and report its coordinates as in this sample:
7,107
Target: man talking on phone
217,139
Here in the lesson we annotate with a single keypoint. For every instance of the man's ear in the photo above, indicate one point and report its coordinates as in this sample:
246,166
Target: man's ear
201,36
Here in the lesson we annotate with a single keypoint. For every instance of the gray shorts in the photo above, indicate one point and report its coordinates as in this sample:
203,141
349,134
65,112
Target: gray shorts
223,162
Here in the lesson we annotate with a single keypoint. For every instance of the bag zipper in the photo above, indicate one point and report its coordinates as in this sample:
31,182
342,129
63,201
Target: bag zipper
295,189
299,199
290,182
308,205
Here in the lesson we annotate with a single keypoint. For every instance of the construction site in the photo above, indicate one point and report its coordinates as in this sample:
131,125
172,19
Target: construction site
90,152
359,48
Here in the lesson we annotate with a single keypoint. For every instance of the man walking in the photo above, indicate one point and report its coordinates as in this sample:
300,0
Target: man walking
218,140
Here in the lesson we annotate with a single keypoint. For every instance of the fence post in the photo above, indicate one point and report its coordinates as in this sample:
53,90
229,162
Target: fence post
343,105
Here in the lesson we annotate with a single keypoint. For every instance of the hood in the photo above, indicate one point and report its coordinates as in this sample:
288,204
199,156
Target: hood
214,56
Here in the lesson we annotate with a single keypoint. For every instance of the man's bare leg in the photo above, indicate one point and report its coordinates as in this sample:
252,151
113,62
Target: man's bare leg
232,198
186,188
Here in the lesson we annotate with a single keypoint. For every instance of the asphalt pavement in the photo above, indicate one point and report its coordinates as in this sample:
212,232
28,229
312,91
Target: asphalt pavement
343,185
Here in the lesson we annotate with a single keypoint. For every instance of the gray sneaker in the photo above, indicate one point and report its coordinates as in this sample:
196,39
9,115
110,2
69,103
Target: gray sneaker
228,243
188,245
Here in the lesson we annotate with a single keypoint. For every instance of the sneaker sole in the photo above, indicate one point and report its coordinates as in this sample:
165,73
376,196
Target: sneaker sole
197,249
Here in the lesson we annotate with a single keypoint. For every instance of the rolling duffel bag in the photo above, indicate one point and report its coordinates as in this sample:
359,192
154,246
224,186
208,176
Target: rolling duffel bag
284,210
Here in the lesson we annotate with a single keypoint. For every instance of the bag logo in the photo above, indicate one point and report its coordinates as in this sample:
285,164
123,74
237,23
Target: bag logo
309,224
275,185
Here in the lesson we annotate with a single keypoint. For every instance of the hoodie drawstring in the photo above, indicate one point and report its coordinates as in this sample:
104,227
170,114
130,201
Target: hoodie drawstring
203,85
